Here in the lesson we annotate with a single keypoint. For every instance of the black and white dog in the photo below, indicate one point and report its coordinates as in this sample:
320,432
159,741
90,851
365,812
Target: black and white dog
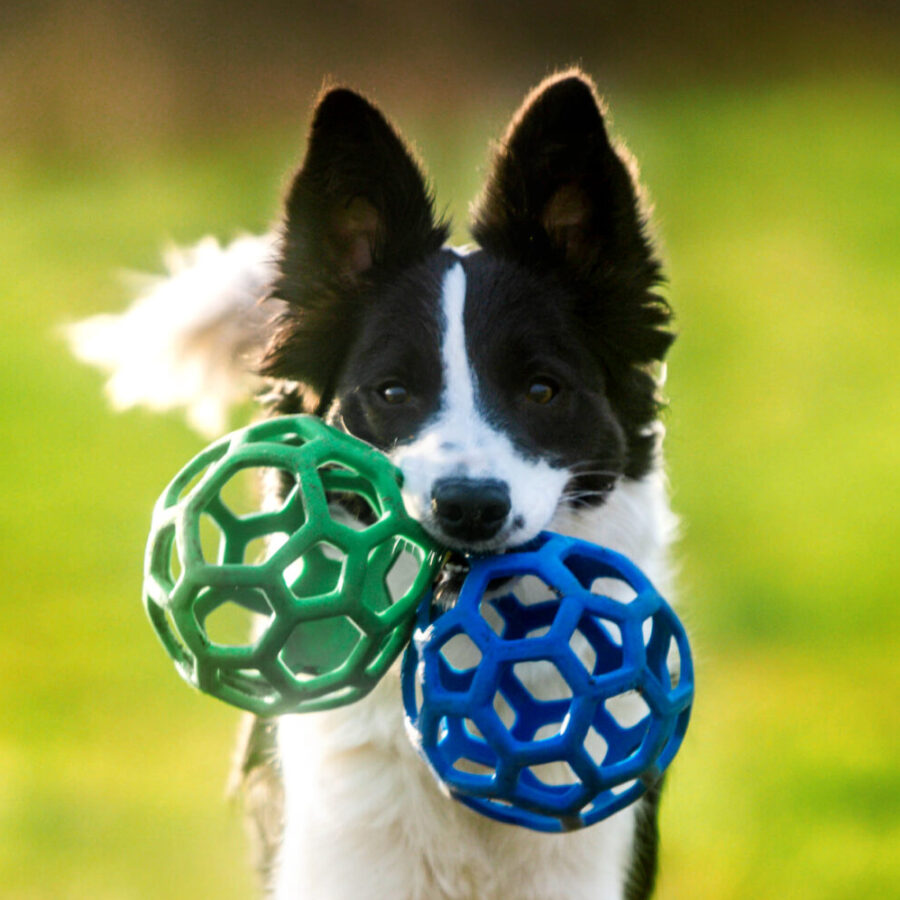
515,384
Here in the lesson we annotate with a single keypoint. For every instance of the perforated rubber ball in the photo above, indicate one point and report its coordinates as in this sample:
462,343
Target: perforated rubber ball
555,691
332,576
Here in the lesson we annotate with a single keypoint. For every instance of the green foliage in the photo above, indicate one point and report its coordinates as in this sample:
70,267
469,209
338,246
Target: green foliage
778,206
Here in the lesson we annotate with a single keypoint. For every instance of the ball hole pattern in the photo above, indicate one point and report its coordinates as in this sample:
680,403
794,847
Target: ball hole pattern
235,528
542,681
624,787
530,589
472,755
320,646
614,588
239,621
349,497
549,731
662,651
403,570
582,717
673,663
248,682
337,602
317,571
597,644
555,774
461,653
627,709
492,616
212,539
596,745
260,549
174,568
191,481
239,494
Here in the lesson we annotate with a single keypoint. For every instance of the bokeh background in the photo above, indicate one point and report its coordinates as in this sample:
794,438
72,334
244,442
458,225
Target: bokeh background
769,137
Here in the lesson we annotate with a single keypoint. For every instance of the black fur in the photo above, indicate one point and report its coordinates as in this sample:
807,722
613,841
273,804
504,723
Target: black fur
561,200
357,213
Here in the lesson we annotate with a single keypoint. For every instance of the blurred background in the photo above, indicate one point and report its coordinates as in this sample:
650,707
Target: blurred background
769,138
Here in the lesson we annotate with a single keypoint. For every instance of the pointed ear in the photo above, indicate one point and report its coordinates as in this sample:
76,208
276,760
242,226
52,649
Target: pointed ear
359,201
358,208
559,191
561,197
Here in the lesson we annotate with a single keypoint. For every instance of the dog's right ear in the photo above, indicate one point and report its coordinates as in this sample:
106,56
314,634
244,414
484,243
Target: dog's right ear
359,201
358,209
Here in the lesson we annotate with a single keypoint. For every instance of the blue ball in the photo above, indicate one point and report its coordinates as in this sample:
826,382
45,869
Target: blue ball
555,691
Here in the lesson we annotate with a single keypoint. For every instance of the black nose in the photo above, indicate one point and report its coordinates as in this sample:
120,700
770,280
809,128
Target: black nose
470,509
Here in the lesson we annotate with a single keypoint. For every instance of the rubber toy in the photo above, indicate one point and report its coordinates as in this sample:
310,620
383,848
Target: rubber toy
333,575
555,691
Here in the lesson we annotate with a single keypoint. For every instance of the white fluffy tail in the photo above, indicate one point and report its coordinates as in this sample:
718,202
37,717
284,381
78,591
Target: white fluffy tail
192,337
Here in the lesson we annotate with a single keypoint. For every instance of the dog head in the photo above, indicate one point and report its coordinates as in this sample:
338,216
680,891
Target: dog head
508,382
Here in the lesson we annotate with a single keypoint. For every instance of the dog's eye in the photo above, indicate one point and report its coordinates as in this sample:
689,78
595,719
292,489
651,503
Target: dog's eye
393,393
542,390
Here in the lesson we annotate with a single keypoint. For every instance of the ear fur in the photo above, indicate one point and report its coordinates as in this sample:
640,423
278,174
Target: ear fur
358,209
560,197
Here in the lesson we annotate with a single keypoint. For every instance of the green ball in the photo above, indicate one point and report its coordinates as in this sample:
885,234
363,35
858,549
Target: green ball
334,574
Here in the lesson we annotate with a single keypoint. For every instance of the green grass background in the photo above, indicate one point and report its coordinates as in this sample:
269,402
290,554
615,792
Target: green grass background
779,210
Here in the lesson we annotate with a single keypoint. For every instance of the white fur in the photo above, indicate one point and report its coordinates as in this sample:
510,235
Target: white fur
460,442
190,338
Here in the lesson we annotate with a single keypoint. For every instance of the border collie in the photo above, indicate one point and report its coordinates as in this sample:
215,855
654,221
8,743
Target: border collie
515,383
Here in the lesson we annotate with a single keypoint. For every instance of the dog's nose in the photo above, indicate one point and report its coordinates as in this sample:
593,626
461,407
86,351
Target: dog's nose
470,509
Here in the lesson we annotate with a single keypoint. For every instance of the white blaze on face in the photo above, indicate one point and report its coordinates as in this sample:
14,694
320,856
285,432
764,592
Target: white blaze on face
460,443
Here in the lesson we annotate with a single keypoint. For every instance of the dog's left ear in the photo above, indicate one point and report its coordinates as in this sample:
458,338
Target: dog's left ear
558,189
561,197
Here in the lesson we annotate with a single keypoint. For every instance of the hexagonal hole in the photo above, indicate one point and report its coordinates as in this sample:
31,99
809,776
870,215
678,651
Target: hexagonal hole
628,709
212,539
250,682
596,745
240,493
320,646
472,729
663,655
351,498
597,642
529,589
614,588
473,767
504,710
624,786
417,688
232,624
165,564
317,571
187,485
539,631
173,633
461,653
673,664
492,616
548,731
260,549
542,680
521,608
403,571
555,774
